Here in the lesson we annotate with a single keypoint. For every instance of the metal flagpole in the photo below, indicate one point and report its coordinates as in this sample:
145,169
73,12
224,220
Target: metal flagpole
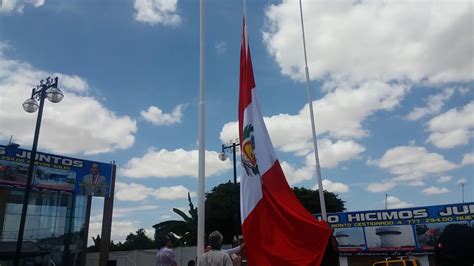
315,141
245,28
202,159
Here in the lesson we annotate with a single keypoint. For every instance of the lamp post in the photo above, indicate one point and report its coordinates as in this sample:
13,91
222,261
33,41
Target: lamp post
223,156
48,89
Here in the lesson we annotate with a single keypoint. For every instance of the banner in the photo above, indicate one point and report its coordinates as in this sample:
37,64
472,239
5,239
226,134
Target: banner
55,172
396,231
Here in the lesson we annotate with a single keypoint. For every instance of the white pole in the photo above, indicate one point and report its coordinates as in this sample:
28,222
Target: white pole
202,159
245,27
313,127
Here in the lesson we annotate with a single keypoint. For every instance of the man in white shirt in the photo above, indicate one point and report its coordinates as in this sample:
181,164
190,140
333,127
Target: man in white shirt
215,257
165,255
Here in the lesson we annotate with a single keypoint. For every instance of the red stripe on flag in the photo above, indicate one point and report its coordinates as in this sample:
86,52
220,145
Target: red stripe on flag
246,79
279,230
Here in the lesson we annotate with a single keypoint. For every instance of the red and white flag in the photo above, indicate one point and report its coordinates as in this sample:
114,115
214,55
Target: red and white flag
277,229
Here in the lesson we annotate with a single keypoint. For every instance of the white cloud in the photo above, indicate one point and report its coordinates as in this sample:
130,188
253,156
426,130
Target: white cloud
120,228
395,203
444,179
119,232
296,175
165,217
381,187
461,181
416,183
138,192
157,117
157,12
463,90
4,46
331,154
340,113
335,187
164,164
171,193
8,6
453,128
411,163
121,212
468,159
434,191
131,192
221,47
433,105
79,124
366,40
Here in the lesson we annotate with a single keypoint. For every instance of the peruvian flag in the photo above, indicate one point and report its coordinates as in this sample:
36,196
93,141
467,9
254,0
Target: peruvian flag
277,229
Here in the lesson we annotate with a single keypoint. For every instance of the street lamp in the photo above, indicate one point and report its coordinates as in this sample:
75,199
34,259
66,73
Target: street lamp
223,156
48,89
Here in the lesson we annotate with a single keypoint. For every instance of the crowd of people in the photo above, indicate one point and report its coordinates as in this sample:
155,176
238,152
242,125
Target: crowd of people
212,256
453,247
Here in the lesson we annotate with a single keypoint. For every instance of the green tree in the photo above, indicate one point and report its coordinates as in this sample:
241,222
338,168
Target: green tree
223,210
220,212
139,240
96,246
185,229
310,200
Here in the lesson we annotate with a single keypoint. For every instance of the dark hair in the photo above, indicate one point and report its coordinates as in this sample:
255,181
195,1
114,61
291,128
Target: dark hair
191,263
162,241
215,240
455,246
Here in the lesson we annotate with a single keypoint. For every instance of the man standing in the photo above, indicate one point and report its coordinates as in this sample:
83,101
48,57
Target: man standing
165,255
215,257
94,184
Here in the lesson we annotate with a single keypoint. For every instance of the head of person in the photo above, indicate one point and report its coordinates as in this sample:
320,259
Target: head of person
95,168
454,246
215,240
235,242
165,242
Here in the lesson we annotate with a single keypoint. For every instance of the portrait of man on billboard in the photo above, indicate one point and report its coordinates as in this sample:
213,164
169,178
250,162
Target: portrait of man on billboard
94,184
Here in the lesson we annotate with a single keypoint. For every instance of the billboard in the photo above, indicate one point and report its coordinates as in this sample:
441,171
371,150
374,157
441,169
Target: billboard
55,172
396,231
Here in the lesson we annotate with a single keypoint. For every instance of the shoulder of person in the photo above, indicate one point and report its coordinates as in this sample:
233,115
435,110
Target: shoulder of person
227,260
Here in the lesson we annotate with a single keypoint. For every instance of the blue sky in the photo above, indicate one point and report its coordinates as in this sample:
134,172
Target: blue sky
392,82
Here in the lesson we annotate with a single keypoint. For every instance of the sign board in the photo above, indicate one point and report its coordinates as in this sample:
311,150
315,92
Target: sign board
55,172
395,231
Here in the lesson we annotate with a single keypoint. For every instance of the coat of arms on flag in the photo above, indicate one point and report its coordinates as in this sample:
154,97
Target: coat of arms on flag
249,160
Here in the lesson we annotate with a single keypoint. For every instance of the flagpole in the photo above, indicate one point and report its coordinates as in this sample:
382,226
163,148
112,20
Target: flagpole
201,167
245,24
313,127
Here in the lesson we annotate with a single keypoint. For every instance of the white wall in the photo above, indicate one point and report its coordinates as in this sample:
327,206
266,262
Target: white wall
142,257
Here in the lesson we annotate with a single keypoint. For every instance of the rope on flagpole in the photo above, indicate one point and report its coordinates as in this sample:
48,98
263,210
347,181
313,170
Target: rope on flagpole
202,159
313,127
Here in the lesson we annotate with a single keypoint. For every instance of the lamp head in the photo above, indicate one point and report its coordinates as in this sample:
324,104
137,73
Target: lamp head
30,105
222,156
54,95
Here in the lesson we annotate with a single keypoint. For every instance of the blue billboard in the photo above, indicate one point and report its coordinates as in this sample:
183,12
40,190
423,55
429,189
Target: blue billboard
396,231
55,172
